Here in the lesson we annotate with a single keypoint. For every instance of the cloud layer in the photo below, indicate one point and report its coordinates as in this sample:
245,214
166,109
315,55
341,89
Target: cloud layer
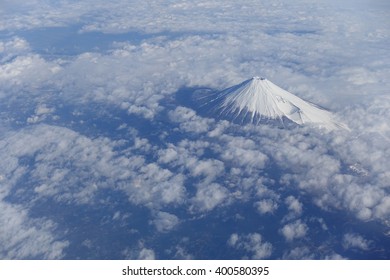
81,124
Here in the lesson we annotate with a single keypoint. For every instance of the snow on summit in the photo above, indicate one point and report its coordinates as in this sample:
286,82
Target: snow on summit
259,99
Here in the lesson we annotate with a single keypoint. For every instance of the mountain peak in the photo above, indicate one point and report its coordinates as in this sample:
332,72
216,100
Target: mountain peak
258,78
258,99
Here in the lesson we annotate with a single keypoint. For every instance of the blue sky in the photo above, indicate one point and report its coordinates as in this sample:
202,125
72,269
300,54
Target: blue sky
88,108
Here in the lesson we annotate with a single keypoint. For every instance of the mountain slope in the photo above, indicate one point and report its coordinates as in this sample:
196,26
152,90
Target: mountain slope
258,99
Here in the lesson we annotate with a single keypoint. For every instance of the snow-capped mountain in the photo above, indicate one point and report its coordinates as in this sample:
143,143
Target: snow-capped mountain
258,99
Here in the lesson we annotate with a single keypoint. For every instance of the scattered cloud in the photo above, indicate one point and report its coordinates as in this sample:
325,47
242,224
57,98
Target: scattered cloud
14,47
57,109
209,196
22,237
299,253
294,230
139,253
165,222
251,243
146,254
355,241
266,206
294,205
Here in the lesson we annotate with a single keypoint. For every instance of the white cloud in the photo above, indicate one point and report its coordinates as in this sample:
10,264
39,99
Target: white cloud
210,169
317,163
182,254
146,254
299,253
139,252
153,186
233,239
335,256
209,196
293,204
189,121
72,168
167,155
293,44
56,152
41,113
26,71
246,150
14,47
165,221
355,241
158,61
22,237
181,114
283,39
307,253
186,156
266,206
294,230
251,243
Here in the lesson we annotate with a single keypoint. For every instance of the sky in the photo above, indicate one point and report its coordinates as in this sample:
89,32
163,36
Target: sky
100,148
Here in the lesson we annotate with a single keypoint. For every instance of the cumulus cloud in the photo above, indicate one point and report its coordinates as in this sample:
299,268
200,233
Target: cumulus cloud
40,114
243,151
141,252
26,71
12,48
182,254
154,186
266,206
165,222
146,254
294,206
305,253
189,121
57,152
178,156
187,157
294,230
299,253
209,196
168,155
251,243
22,237
355,241
208,168
317,165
